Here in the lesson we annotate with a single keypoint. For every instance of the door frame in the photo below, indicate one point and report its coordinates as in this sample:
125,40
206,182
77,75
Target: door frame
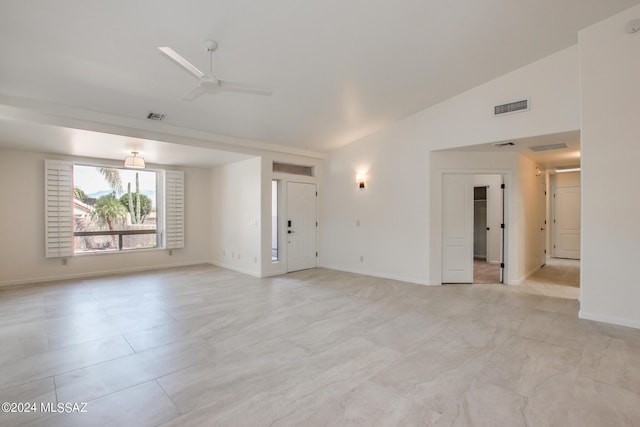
437,222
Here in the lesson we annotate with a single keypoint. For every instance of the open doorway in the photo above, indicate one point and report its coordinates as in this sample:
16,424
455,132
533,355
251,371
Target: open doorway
488,217
473,228
526,165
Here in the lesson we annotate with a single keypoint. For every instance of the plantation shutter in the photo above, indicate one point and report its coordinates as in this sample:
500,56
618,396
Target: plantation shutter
174,209
58,177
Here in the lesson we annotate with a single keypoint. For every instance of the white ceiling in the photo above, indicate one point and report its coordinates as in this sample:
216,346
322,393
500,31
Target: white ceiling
339,69
548,159
29,136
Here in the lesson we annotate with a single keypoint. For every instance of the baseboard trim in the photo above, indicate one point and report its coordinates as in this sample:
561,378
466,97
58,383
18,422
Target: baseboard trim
620,321
101,273
381,275
236,268
524,277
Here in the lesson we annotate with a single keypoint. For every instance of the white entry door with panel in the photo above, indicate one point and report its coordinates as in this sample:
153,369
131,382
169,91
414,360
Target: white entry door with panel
301,226
457,230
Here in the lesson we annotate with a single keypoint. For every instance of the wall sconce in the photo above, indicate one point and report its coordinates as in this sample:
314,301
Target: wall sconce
134,162
538,172
361,179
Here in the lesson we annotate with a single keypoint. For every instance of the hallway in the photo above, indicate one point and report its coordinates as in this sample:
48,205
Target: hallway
558,278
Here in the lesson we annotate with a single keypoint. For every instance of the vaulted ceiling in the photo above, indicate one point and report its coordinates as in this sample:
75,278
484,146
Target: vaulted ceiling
339,69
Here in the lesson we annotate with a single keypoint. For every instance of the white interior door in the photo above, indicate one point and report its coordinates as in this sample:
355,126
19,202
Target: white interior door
457,230
566,222
301,226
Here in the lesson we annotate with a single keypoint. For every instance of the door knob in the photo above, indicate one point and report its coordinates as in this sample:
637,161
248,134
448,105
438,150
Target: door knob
289,231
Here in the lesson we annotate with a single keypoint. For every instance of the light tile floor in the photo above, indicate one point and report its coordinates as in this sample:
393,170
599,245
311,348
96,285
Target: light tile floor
206,346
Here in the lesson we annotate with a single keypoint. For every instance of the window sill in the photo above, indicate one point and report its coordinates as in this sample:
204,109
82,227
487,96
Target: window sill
126,251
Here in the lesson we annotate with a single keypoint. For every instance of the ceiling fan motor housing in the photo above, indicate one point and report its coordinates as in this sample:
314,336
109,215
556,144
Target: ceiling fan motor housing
209,83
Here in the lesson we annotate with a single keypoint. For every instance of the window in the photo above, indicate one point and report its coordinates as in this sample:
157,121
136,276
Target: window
114,209
274,221
94,209
293,169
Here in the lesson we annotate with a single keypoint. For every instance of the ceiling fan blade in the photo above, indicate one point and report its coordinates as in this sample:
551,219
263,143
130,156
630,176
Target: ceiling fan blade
194,93
245,87
173,55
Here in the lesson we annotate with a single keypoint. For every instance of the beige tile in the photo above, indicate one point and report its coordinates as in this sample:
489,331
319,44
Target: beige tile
34,393
525,365
143,405
101,379
369,404
545,374
316,347
56,362
597,404
407,331
228,378
491,405
612,361
555,328
198,327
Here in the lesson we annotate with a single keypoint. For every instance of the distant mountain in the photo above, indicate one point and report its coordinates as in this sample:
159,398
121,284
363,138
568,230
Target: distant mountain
99,194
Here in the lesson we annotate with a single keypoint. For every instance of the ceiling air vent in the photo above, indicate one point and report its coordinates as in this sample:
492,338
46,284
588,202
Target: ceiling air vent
512,107
558,146
155,116
505,144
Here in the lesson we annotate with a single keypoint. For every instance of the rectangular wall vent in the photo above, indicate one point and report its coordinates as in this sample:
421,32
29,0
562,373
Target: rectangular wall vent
548,147
512,107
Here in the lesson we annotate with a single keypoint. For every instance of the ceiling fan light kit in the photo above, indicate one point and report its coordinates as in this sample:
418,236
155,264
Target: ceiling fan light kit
209,83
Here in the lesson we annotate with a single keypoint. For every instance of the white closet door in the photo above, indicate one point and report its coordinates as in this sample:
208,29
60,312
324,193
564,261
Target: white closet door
457,229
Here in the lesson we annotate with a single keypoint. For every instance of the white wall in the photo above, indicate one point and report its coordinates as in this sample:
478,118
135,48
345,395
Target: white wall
22,257
532,216
392,211
494,213
610,70
397,235
236,219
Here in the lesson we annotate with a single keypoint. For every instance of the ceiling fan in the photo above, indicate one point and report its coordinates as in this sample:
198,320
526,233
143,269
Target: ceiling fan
209,83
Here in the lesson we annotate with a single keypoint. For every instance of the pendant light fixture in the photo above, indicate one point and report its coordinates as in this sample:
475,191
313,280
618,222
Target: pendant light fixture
134,162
